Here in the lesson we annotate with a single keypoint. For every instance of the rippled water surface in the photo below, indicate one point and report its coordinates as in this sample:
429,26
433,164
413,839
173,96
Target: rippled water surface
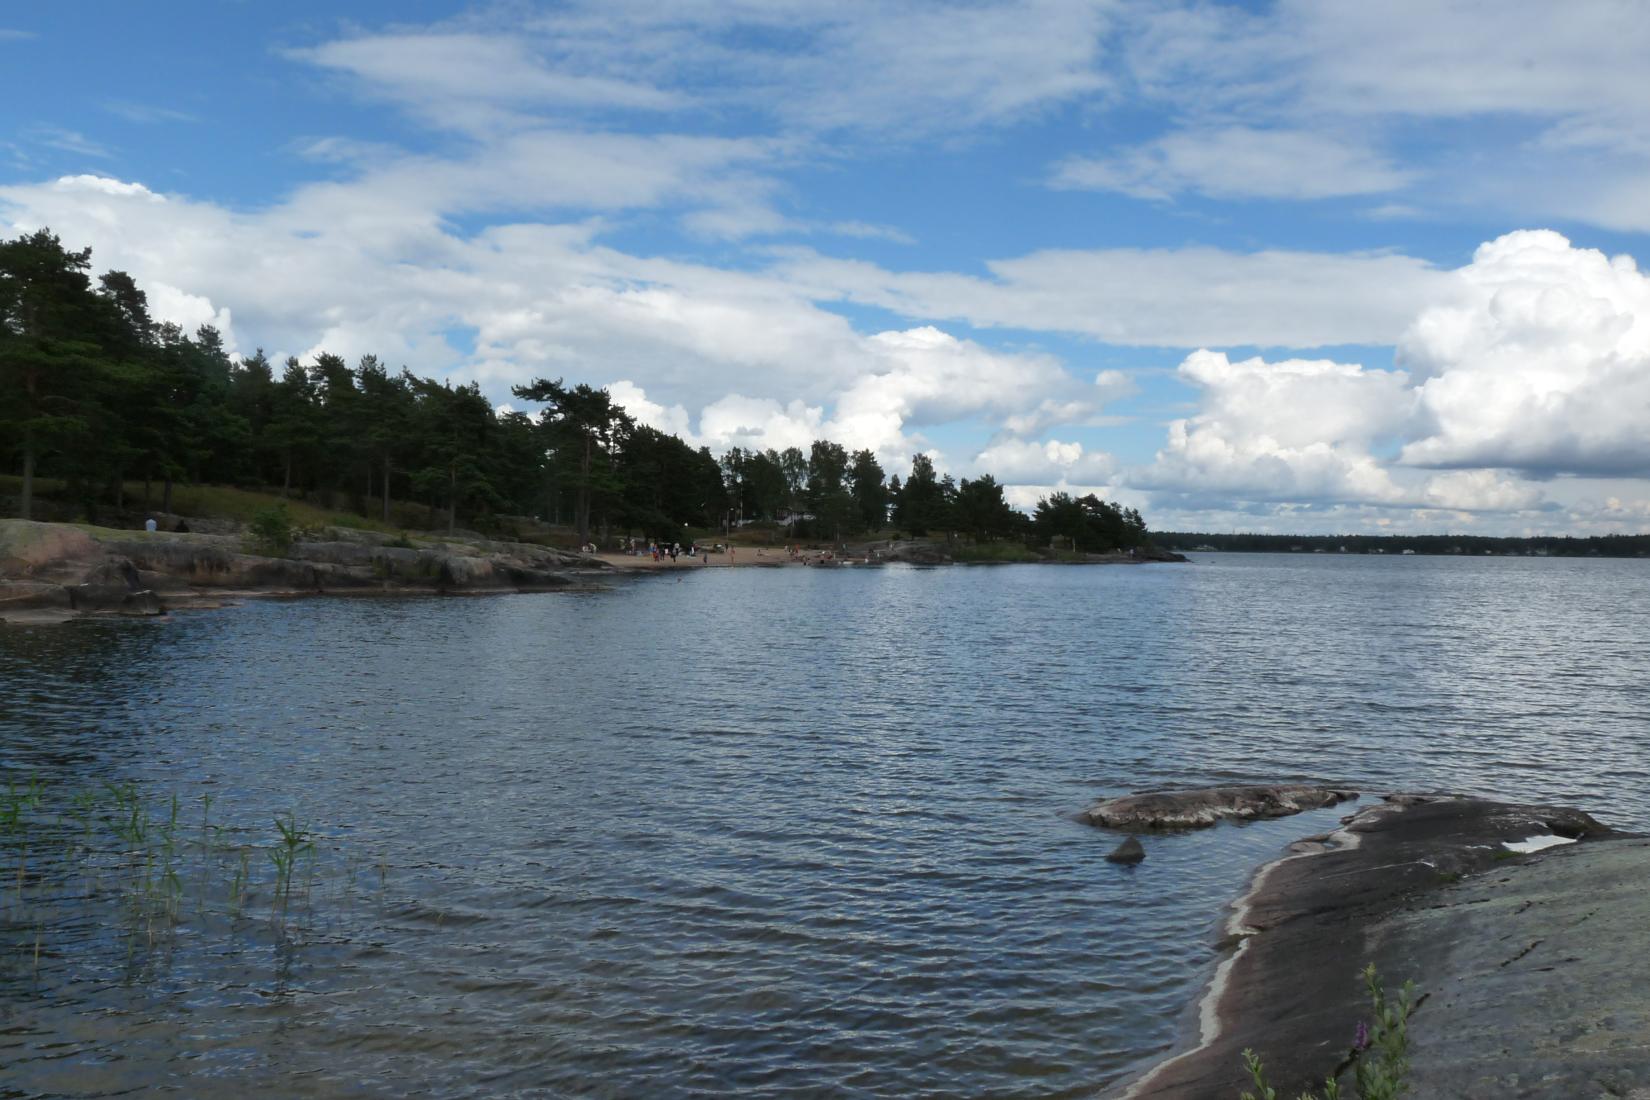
767,832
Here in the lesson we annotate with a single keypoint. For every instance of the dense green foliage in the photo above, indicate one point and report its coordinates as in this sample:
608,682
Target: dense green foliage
271,530
98,397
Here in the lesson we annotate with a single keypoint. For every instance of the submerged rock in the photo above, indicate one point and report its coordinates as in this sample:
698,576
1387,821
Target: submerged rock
1204,806
1130,851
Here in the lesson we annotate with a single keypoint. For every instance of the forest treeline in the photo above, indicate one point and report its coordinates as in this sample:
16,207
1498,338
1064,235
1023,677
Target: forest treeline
97,394
1557,546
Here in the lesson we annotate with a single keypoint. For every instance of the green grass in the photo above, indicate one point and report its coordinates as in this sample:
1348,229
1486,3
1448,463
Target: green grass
225,502
986,552
241,505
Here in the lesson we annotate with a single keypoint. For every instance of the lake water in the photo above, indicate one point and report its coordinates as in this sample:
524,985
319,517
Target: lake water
767,832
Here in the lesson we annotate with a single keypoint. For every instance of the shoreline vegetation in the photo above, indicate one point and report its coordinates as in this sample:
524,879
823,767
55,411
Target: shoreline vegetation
1516,923
110,418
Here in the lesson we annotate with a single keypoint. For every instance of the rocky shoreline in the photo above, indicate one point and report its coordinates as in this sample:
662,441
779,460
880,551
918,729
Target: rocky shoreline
1523,946
51,572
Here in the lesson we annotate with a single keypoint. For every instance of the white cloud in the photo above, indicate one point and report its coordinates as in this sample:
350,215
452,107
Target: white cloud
1542,363
884,67
1158,297
633,400
1529,108
1236,162
894,384
1480,491
760,423
1295,430
898,67
1019,461
468,80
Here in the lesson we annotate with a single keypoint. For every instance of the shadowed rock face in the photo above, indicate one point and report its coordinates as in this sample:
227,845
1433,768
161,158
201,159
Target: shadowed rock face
1202,807
1426,888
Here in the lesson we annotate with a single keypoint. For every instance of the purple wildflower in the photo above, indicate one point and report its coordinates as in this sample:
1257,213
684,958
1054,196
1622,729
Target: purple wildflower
1360,1037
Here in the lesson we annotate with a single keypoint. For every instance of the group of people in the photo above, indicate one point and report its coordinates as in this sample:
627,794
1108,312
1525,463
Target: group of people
659,551
797,553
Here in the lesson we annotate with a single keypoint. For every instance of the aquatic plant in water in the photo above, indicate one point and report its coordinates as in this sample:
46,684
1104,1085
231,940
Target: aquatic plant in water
116,859
1380,1050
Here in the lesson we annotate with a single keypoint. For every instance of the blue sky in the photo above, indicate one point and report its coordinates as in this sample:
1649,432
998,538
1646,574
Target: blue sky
1291,267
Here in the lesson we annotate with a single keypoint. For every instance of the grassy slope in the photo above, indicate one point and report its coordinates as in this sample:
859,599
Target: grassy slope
225,502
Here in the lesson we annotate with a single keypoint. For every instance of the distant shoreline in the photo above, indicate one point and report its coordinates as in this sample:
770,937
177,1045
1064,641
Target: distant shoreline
1595,546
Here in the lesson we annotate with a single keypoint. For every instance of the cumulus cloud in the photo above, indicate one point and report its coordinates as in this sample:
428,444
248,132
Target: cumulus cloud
1480,491
898,383
1541,364
1534,365
1313,433
1291,430
1049,462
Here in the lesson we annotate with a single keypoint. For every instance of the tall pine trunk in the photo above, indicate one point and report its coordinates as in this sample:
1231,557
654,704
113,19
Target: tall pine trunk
28,477
452,498
166,495
582,505
386,487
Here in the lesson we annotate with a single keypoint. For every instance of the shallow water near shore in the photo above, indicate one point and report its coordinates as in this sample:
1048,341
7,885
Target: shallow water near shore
773,832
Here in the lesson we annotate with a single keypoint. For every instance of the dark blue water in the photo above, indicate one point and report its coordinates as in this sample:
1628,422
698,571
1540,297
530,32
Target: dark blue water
774,832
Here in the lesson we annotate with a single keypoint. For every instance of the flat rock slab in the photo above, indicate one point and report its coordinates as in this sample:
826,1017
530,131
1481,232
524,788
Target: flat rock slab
1205,806
1539,978
1408,884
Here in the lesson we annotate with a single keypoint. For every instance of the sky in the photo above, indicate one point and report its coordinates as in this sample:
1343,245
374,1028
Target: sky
1310,267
